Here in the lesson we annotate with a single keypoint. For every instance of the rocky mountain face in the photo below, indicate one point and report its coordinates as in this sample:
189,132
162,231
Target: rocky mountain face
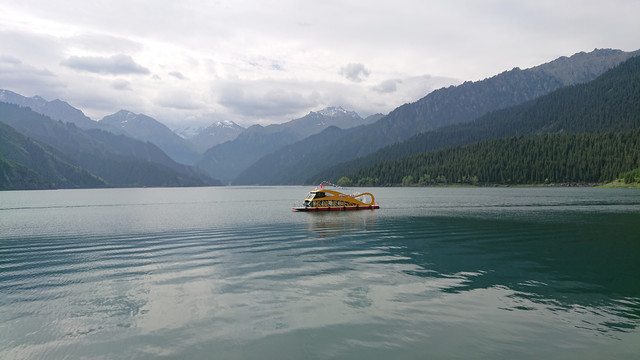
145,128
202,138
56,110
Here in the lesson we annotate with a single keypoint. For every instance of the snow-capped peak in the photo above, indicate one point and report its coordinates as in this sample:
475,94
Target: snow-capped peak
217,128
226,124
333,111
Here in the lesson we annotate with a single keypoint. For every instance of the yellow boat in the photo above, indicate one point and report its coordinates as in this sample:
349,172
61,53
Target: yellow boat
324,198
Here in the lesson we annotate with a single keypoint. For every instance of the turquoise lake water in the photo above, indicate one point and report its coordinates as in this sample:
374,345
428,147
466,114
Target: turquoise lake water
234,273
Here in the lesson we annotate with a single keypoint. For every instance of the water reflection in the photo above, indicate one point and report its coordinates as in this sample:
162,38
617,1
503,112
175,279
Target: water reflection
454,276
582,265
328,223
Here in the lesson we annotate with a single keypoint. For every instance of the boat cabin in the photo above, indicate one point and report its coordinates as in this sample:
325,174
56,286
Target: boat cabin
313,195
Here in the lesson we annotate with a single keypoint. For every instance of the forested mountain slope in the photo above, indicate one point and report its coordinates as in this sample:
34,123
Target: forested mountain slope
26,164
608,103
294,164
543,159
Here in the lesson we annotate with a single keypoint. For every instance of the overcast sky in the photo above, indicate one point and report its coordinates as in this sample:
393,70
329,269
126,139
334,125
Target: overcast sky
270,61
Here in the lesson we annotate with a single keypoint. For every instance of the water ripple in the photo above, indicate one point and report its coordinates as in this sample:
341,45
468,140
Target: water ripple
347,285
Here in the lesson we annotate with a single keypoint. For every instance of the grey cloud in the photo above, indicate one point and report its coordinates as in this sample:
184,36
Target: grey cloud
265,99
387,86
121,84
178,99
114,65
24,78
177,75
355,72
10,60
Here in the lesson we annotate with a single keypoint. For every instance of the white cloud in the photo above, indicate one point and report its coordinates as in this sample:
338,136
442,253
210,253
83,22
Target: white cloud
178,99
388,86
177,75
121,84
114,65
355,72
104,43
265,99
26,79
272,61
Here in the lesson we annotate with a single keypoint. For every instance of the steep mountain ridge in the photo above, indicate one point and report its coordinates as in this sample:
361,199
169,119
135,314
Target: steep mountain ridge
119,160
146,128
55,109
457,104
600,119
26,164
607,103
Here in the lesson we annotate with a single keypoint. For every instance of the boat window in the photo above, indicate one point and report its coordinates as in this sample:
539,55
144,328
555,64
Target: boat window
319,195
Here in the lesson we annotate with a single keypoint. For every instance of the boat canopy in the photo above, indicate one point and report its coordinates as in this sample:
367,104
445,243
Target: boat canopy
315,195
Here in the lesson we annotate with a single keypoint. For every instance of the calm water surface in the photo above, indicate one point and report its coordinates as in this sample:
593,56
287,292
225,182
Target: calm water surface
233,273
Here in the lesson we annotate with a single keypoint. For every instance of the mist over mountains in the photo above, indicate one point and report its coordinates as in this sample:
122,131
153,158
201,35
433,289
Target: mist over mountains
51,144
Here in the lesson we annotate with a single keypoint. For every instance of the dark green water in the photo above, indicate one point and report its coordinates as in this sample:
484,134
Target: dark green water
233,273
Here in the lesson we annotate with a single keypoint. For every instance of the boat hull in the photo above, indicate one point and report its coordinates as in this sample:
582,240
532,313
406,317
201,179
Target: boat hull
335,208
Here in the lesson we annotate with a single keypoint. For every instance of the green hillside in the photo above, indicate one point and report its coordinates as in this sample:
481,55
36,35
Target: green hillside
549,158
27,164
609,103
297,163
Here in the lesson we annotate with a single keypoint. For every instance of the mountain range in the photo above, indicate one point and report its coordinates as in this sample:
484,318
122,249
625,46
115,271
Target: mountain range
607,103
583,133
51,144
301,161
56,110
117,160
181,148
225,161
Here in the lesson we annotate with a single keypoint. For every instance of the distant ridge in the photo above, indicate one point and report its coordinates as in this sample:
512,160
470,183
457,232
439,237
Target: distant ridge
56,110
225,161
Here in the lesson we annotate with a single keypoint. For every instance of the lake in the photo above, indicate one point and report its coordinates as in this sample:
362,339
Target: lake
234,273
